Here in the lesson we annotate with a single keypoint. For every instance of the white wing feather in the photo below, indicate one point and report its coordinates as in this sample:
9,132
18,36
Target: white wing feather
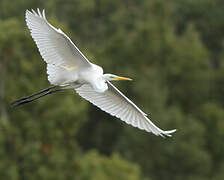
55,47
115,103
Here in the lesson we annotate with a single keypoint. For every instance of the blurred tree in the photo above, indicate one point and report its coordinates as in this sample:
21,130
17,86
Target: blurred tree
207,17
173,50
94,166
40,138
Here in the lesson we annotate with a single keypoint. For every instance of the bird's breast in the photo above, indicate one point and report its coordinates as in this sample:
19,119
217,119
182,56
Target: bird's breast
100,86
93,76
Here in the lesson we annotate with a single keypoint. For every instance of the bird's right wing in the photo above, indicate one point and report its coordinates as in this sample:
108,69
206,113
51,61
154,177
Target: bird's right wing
117,104
55,47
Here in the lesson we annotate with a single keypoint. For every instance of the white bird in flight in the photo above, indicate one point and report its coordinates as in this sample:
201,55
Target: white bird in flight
68,68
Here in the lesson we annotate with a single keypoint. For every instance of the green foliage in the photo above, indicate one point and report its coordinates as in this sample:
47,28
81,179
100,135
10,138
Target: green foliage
172,49
95,166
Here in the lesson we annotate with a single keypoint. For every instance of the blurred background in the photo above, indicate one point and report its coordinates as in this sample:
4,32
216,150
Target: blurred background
174,52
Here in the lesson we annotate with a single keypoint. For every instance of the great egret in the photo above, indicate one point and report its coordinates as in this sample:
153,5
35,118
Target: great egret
68,68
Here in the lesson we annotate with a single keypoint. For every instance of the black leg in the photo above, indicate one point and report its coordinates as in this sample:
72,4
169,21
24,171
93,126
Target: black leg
34,94
35,98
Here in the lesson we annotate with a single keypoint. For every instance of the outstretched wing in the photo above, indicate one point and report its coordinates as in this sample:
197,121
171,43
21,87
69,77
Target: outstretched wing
55,47
117,104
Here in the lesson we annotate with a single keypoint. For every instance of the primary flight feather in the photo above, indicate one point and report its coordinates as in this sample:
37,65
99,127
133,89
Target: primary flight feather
68,68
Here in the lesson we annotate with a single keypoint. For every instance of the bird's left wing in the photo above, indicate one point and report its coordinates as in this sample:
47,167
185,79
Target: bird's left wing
55,46
117,104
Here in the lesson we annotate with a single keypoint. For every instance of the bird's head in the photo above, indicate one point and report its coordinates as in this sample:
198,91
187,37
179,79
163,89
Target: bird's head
112,77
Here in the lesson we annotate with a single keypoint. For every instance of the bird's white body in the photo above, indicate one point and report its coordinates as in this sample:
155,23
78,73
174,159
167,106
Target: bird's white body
76,77
67,66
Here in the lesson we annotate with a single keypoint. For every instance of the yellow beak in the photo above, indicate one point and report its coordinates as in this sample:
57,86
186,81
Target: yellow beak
122,78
